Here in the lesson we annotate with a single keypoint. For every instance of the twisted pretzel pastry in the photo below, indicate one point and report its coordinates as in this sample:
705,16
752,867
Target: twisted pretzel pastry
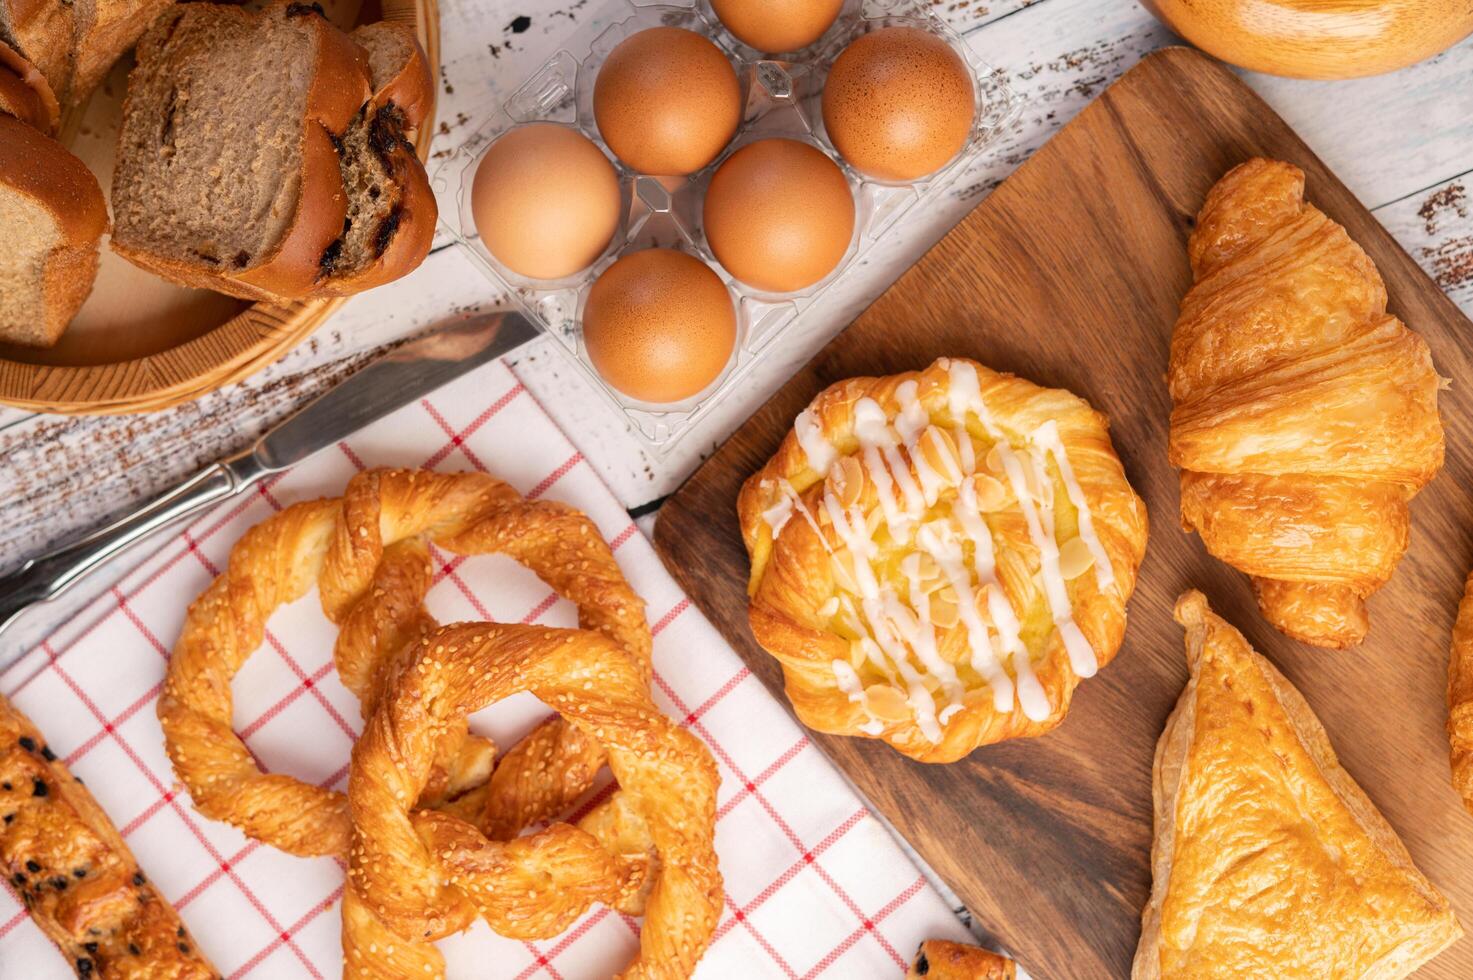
368,553
939,556
416,878
1305,416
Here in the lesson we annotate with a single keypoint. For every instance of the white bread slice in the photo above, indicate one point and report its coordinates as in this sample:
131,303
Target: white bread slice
25,93
104,31
227,173
55,209
42,32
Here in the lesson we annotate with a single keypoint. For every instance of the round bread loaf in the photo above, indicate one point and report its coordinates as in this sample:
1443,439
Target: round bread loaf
1314,39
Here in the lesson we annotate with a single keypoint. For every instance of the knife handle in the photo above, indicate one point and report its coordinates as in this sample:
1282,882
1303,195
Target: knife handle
53,573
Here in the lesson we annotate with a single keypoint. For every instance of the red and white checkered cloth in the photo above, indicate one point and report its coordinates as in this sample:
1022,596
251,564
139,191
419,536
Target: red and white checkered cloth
814,884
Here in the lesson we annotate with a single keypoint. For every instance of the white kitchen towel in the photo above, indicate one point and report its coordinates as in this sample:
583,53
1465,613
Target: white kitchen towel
814,885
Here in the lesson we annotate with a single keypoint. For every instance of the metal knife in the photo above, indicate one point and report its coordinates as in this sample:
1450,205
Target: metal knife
390,382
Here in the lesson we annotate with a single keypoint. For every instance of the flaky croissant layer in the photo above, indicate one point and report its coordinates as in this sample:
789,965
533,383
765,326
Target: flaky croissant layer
1305,417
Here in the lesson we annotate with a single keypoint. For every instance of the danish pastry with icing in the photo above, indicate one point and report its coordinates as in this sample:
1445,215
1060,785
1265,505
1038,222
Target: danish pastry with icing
938,557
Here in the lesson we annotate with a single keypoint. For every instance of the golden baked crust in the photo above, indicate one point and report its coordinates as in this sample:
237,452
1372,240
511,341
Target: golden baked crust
418,876
918,644
37,167
25,93
938,959
77,878
414,878
1305,417
1268,859
1460,698
368,554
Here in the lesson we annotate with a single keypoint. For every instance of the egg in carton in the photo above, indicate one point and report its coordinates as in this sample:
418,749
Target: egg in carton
607,210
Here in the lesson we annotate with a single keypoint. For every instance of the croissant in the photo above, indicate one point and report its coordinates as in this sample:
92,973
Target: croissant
1305,416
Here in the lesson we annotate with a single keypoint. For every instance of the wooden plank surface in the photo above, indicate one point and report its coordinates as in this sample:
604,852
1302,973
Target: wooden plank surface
1070,275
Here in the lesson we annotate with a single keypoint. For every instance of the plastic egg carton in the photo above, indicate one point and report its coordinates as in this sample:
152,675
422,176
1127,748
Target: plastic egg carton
780,98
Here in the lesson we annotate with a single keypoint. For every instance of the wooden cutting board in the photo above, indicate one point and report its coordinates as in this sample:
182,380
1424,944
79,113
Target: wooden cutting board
1069,274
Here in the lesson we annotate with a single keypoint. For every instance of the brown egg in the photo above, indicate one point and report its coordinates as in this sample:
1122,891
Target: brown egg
774,26
545,201
898,103
779,215
667,101
659,325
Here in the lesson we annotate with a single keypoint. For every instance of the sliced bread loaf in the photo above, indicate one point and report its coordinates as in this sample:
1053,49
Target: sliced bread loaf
42,31
255,159
53,213
104,31
227,173
391,209
25,93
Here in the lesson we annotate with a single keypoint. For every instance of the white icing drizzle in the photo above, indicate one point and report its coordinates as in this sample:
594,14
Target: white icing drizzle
848,681
1031,696
870,419
872,432
850,527
874,656
966,393
931,482
777,516
915,501
820,453
1047,436
938,541
918,697
924,640
965,448
796,499
913,419
1040,518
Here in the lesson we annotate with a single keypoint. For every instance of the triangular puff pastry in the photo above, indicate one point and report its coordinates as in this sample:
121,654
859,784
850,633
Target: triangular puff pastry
1269,861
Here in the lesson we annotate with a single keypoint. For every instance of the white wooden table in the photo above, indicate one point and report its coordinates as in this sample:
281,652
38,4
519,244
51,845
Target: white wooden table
1403,143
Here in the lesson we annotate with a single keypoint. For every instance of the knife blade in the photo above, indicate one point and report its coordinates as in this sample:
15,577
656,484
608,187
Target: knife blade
390,382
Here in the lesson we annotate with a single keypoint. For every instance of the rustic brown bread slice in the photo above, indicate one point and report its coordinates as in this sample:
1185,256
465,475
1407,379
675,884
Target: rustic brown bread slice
53,214
25,93
227,173
42,31
391,209
104,31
